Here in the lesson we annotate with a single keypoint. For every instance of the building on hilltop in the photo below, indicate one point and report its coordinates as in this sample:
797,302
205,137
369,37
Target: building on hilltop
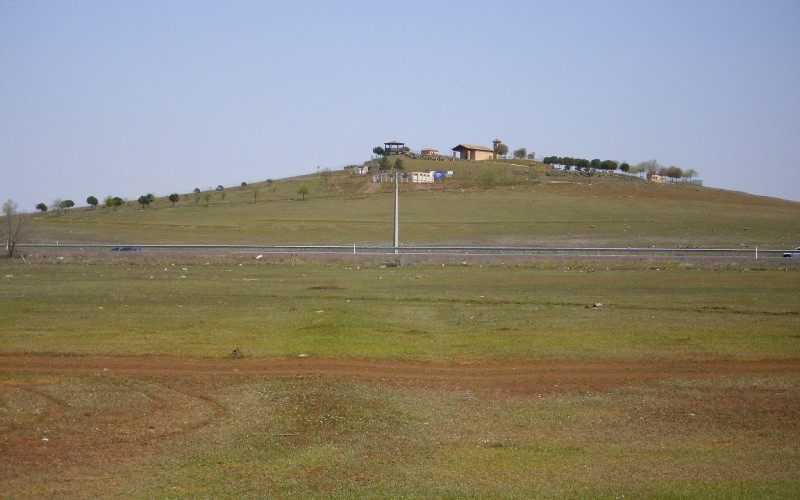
394,148
472,152
429,152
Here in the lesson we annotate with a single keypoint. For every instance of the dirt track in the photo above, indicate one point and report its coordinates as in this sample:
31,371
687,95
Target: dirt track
512,375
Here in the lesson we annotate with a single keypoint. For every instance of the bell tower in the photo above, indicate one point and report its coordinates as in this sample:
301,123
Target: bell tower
496,143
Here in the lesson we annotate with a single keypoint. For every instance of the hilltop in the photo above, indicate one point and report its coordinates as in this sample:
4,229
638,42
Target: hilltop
503,202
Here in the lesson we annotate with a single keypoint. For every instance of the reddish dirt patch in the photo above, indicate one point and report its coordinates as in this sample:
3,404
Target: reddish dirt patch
167,398
512,375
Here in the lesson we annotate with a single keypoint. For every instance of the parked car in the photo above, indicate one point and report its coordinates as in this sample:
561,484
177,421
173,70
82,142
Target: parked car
793,253
126,249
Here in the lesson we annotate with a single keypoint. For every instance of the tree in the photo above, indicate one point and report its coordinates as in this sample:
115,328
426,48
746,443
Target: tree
398,165
174,198
196,195
42,207
92,201
609,165
244,185
112,201
378,151
674,172
649,166
303,190
221,191
624,167
63,205
144,200
383,164
501,149
690,174
489,177
520,153
207,197
14,227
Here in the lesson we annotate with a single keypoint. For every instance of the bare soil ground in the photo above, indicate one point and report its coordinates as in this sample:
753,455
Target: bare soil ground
510,375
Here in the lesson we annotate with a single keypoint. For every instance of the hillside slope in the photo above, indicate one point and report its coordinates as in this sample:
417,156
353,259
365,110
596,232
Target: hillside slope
522,205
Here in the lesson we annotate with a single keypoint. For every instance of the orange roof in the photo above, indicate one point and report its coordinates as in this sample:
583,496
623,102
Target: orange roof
474,147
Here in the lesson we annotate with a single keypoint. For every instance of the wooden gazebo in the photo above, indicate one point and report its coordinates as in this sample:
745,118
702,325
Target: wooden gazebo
394,148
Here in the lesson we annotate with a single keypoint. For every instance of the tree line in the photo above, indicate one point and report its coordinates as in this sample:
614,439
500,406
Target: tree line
648,168
109,202
146,200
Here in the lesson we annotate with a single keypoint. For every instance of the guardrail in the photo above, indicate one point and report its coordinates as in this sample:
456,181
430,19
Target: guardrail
434,250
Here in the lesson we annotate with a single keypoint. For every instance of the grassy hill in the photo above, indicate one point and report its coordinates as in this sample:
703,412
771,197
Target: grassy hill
526,204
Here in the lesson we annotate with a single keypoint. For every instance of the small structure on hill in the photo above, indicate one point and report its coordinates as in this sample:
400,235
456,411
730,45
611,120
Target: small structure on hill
473,152
429,152
394,148
405,177
358,169
422,177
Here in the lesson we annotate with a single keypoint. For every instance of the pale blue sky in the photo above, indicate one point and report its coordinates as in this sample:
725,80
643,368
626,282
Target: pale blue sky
124,98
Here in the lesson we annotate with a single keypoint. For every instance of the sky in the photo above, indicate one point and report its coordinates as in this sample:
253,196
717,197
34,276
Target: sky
130,97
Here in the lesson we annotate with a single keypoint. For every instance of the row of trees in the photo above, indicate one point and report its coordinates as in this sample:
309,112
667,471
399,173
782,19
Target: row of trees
149,198
60,205
568,162
522,153
65,205
651,167
108,201
647,168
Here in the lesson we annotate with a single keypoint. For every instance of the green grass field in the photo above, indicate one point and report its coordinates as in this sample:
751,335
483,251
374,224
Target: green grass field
472,381
196,308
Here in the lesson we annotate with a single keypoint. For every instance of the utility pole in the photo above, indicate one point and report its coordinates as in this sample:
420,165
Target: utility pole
396,213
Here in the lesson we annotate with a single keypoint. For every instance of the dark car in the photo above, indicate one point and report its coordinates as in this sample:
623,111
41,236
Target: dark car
126,249
793,253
